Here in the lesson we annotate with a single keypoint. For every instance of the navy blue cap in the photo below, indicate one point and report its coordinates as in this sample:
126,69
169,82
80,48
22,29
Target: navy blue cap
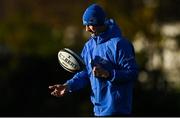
94,15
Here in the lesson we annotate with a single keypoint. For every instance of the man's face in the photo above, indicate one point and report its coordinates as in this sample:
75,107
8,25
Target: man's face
95,30
91,29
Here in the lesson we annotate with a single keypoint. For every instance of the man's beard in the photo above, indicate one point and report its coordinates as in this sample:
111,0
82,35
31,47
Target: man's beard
93,33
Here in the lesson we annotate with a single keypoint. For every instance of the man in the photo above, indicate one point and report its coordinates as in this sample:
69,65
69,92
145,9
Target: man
110,66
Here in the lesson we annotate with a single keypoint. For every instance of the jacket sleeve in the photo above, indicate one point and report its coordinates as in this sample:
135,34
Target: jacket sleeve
78,81
125,66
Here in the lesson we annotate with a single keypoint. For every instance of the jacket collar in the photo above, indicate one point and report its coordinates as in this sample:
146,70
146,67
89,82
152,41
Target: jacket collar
111,31
102,37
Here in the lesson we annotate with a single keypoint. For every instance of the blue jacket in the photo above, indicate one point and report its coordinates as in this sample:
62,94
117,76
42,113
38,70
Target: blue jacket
116,54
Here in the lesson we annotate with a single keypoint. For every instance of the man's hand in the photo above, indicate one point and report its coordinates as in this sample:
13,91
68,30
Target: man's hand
58,90
98,71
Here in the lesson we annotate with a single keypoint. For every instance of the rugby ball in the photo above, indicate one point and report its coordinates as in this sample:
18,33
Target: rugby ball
70,61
